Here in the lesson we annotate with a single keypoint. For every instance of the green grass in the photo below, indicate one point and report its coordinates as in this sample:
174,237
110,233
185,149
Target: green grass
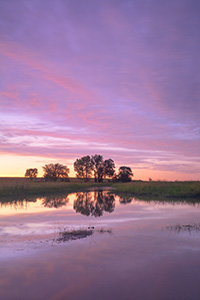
11,187
161,190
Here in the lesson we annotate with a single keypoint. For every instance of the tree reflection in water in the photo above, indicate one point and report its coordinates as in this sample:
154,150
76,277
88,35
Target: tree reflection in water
125,199
94,203
17,204
55,202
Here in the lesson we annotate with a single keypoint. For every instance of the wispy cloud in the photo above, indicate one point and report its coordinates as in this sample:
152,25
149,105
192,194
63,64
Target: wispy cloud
121,79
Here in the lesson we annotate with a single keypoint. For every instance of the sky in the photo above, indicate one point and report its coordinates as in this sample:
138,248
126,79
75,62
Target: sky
120,78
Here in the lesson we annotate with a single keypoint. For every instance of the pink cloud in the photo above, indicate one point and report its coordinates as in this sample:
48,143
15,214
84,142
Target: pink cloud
116,79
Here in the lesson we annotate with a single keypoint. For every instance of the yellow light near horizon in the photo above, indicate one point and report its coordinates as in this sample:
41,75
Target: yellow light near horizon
145,174
15,166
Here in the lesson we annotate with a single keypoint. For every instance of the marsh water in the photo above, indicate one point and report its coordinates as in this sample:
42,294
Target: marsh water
138,250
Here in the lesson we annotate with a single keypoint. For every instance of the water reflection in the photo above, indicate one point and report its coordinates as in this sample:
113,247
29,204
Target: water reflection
185,227
31,204
94,203
125,199
17,204
90,203
55,202
153,264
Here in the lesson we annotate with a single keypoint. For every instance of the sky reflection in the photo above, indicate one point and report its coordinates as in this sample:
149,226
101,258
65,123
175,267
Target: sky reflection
47,214
139,259
135,257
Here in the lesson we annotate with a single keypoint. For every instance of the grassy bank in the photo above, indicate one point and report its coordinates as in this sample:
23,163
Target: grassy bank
161,190
10,187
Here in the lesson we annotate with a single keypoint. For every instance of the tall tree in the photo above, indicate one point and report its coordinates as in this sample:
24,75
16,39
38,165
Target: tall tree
54,171
83,167
109,167
98,167
125,174
31,173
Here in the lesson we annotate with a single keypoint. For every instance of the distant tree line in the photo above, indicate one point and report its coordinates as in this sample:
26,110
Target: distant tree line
85,167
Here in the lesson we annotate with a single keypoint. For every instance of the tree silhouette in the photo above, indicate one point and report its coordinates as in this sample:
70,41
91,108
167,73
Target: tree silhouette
54,171
98,167
109,167
83,167
31,173
125,174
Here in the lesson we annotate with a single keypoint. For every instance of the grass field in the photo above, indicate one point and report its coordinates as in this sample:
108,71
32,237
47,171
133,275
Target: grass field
13,187
161,189
26,187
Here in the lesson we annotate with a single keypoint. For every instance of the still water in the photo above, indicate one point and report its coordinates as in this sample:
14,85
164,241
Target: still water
135,251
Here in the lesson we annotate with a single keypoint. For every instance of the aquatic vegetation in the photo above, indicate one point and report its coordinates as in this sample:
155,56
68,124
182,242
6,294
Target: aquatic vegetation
184,227
65,236
103,230
71,235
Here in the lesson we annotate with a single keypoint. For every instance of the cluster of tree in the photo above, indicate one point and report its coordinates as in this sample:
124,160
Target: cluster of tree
85,167
52,172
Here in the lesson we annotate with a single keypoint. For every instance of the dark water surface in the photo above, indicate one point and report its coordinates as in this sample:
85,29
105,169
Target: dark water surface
136,257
